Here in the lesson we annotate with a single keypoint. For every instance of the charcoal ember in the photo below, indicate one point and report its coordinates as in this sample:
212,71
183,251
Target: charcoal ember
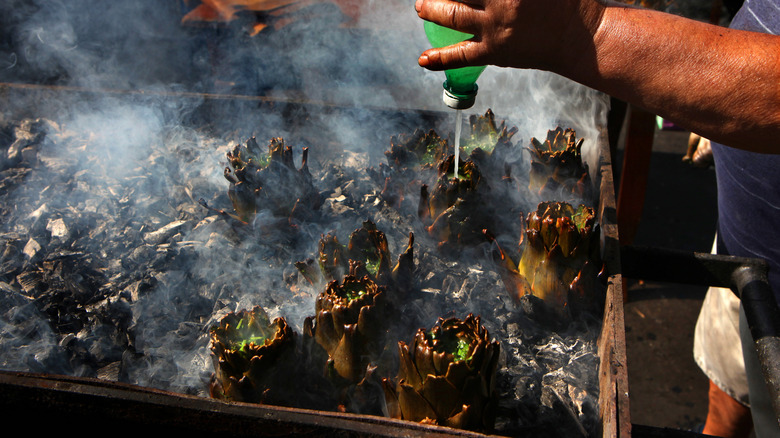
346,195
574,396
165,232
137,288
111,372
58,229
32,250
21,145
28,340
340,204
96,345
566,418
9,180
478,290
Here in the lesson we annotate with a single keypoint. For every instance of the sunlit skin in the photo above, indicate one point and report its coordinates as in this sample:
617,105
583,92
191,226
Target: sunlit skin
721,83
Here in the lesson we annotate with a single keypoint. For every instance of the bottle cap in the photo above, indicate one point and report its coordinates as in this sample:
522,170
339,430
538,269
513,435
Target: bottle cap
459,101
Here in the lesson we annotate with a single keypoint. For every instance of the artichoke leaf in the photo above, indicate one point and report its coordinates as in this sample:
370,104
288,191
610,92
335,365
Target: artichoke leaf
474,390
465,418
441,359
423,357
325,331
457,372
413,406
442,395
407,371
346,357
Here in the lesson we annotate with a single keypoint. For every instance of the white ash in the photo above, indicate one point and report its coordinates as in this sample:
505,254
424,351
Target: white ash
113,269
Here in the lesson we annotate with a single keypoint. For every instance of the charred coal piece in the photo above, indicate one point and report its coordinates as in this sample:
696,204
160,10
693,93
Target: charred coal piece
411,160
349,325
447,377
558,255
366,254
557,167
269,181
254,358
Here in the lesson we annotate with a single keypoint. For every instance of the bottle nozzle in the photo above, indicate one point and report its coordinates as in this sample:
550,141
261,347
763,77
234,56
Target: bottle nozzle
459,100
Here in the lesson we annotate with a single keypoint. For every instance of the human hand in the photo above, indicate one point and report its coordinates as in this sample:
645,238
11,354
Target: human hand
699,151
541,34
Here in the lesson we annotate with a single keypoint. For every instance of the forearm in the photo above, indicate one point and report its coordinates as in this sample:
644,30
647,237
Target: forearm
720,83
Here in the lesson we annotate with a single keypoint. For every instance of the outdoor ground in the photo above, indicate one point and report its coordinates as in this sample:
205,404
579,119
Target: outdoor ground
666,387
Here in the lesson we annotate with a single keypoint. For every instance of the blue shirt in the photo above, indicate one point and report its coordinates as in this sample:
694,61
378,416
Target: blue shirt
748,182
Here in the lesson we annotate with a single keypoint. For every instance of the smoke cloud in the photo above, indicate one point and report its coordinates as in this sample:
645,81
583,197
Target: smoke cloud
139,155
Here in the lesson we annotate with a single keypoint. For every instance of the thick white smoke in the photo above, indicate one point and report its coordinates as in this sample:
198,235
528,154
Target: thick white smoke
131,139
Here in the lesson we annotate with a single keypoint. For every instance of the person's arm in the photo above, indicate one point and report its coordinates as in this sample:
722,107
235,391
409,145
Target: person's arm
721,83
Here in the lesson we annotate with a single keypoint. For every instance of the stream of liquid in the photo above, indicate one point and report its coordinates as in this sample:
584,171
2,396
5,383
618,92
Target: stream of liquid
458,123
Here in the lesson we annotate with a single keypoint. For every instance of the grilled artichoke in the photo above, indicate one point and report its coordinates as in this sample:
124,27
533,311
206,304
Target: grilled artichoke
557,169
349,325
455,212
366,254
490,144
446,377
270,181
558,244
254,358
411,160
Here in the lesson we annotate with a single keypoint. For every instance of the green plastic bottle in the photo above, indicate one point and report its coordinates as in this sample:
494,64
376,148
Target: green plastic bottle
460,87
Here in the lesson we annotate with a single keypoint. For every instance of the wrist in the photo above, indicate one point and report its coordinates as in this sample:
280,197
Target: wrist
577,53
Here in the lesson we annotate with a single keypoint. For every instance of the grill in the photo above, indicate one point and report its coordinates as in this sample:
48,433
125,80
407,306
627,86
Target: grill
73,402
78,401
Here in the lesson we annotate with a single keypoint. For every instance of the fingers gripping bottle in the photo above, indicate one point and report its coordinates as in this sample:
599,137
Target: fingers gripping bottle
460,86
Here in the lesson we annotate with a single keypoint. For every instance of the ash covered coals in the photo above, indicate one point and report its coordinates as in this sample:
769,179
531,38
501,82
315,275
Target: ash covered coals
83,242
111,267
